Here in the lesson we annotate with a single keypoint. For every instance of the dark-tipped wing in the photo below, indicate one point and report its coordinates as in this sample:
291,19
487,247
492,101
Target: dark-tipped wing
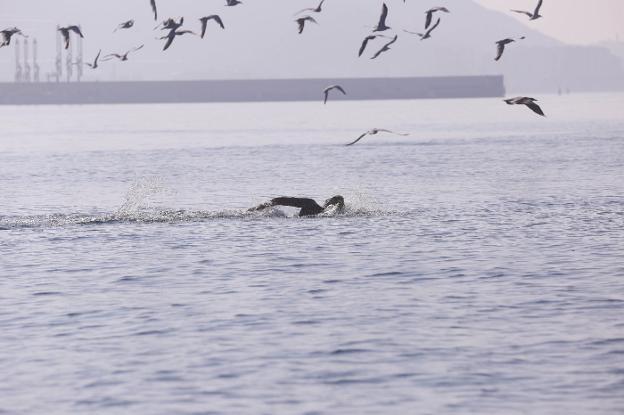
364,43
301,23
384,14
535,108
76,30
339,88
154,9
538,7
357,139
217,19
170,38
432,28
204,23
428,20
522,12
326,92
500,49
137,48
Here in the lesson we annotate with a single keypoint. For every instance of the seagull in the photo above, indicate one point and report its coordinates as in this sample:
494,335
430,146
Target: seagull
374,131
529,102
232,2
427,34
122,57
385,47
171,24
301,22
65,32
501,46
329,88
94,65
430,12
154,9
533,16
8,33
381,26
316,9
173,33
365,42
125,25
204,22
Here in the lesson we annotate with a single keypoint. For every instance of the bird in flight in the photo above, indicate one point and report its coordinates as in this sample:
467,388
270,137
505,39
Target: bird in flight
332,87
427,34
170,24
430,13
125,25
122,57
7,34
532,16
529,102
204,23
302,20
381,25
385,47
65,32
173,33
154,9
316,9
374,131
94,65
232,2
365,42
500,46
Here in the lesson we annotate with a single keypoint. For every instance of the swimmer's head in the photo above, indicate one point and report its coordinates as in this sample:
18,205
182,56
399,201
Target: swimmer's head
335,201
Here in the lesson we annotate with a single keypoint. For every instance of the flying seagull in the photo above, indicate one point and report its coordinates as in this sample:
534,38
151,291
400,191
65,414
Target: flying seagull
430,12
301,22
529,102
385,47
532,16
125,25
427,34
232,2
122,57
172,34
154,9
501,46
381,26
204,23
94,65
331,87
365,42
170,24
7,34
65,32
316,9
374,131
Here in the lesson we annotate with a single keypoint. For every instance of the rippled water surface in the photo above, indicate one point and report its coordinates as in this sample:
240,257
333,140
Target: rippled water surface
478,268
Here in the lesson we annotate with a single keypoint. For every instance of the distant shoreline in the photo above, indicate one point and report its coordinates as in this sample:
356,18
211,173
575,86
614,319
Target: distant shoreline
261,90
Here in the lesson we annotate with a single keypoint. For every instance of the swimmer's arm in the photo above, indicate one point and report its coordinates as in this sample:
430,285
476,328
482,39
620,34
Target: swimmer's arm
297,202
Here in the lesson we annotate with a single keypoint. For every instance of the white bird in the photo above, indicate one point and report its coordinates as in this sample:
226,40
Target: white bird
65,32
374,131
430,12
125,25
532,16
301,22
316,9
94,65
204,23
427,34
500,46
123,56
385,47
528,101
331,87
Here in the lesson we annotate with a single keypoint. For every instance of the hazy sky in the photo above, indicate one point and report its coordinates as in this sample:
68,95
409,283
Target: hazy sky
572,21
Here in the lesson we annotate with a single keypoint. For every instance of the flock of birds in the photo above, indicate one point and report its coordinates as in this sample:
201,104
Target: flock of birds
174,29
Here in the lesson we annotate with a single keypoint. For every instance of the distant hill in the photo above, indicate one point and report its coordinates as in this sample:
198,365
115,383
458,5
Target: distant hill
261,41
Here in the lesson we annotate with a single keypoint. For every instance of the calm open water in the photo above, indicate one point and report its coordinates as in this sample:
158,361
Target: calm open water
479,267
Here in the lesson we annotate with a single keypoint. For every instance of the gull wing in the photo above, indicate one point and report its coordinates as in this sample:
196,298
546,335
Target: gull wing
357,139
154,9
500,50
535,108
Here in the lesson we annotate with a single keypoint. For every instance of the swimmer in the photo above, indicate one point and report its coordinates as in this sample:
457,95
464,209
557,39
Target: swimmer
308,207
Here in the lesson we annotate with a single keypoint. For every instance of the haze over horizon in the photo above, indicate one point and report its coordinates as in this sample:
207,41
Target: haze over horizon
260,40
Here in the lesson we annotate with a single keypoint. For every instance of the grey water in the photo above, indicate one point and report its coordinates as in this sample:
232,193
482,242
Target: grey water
478,267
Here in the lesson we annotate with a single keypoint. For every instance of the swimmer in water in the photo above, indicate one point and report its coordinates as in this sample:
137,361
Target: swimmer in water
308,207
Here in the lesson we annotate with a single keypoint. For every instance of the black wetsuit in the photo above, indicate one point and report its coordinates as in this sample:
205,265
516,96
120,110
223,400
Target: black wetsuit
308,207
